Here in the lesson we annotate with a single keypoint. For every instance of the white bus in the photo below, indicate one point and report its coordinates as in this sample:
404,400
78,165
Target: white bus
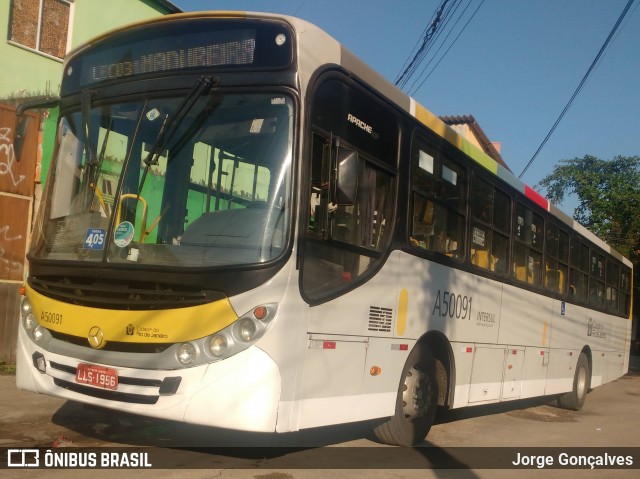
244,226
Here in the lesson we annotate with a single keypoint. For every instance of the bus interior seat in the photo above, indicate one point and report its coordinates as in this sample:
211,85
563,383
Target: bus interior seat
483,259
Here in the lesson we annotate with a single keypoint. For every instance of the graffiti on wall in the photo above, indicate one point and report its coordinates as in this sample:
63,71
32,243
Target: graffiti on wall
8,264
8,158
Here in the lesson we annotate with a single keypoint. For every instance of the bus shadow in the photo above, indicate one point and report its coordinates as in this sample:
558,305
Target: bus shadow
216,448
93,424
447,416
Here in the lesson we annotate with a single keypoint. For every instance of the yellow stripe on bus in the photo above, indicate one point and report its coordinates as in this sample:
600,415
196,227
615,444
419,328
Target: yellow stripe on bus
434,123
403,306
156,326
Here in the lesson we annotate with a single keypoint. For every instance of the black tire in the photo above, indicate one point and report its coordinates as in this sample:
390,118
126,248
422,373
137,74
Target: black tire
416,403
575,399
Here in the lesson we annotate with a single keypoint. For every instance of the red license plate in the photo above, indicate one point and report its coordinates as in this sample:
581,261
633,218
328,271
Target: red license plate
97,376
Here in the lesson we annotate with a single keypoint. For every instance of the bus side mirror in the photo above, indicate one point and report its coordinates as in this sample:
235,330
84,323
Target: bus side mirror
22,121
347,182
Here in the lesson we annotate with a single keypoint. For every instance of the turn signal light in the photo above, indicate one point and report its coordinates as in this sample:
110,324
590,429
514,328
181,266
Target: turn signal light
260,313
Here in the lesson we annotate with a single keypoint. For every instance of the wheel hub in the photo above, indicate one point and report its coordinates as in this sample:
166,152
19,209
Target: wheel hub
415,396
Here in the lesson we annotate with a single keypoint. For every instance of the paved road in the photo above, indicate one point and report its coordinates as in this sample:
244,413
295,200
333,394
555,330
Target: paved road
609,419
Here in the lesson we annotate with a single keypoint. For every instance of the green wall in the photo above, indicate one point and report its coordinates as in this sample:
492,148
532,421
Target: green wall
26,73
93,18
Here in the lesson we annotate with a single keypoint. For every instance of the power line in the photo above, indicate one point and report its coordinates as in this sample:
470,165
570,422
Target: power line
425,42
444,23
584,79
415,90
416,47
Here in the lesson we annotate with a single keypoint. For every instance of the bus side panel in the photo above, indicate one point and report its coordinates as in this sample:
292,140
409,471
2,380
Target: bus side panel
368,310
339,386
535,370
463,306
569,326
463,360
487,374
526,318
573,328
606,334
567,340
562,364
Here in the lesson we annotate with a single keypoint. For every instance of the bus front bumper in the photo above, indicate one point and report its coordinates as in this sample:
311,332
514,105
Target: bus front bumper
241,392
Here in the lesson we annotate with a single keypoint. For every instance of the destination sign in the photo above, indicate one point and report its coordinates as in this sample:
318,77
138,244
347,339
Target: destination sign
238,52
186,44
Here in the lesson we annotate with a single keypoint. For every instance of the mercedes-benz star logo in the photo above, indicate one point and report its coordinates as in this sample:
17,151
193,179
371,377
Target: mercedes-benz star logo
96,338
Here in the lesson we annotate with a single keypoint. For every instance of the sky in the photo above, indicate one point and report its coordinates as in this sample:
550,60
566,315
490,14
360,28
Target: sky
514,68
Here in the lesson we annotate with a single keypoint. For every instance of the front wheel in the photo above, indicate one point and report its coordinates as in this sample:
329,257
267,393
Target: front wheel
575,399
416,402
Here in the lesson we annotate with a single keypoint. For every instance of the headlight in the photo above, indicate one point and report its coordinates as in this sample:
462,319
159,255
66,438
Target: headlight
38,333
30,322
186,354
218,345
246,329
236,337
25,307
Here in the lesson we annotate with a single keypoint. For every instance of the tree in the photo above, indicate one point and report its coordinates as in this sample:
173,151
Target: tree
609,198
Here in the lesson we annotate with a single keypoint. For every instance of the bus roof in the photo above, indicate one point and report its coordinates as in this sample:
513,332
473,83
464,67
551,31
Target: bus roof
310,57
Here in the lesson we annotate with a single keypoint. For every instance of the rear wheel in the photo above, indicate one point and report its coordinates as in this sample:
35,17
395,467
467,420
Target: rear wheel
575,399
416,402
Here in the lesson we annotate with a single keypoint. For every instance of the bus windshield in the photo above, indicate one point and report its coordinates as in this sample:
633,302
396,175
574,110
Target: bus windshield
201,179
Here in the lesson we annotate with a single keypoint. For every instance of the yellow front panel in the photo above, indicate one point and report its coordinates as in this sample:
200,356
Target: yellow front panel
159,326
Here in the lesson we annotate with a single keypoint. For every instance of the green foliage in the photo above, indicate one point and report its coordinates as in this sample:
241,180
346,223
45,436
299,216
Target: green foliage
609,197
7,368
19,97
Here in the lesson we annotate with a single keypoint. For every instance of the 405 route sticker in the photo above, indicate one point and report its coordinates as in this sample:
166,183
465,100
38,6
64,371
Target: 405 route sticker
95,238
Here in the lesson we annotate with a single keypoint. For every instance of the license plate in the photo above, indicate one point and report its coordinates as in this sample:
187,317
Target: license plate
97,376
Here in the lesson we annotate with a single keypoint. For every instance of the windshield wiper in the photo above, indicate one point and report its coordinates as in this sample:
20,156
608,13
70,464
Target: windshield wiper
91,162
86,128
170,126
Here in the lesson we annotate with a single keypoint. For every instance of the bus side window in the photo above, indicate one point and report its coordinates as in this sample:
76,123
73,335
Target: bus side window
438,199
490,229
319,194
613,282
596,280
529,234
579,270
557,259
363,224
625,292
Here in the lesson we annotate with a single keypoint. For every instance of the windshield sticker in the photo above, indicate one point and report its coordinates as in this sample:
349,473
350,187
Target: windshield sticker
123,234
153,114
94,238
256,125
